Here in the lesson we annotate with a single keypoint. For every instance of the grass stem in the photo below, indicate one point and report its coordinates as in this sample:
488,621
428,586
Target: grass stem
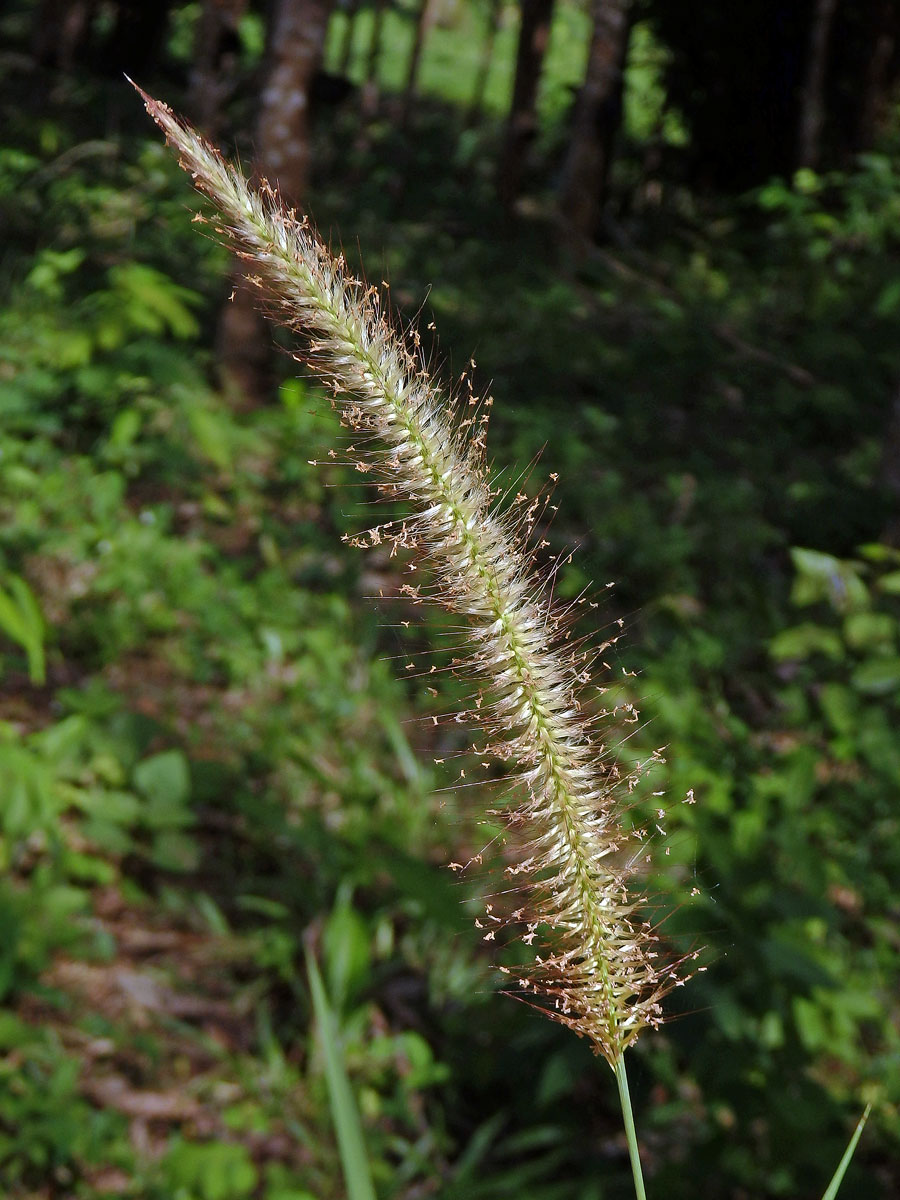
838,1178
630,1132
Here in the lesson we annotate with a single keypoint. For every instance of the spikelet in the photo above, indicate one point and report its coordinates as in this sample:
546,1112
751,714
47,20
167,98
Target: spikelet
601,975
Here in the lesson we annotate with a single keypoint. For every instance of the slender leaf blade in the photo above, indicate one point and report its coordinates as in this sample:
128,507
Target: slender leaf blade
22,621
344,1113
832,1189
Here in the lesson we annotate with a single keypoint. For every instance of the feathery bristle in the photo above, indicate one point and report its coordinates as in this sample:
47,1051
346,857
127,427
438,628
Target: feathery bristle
602,976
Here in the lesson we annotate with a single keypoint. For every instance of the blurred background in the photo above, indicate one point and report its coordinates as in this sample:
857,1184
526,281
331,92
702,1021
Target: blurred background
667,233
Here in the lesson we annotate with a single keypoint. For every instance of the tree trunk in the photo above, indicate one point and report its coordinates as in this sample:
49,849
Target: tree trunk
812,100
371,87
890,470
64,34
351,8
213,70
135,42
879,76
296,37
597,118
60,32
296,40
423,22
521,126
476,104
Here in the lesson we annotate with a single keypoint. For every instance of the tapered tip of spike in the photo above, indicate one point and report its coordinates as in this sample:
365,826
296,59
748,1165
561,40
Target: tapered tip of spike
157,110
137,87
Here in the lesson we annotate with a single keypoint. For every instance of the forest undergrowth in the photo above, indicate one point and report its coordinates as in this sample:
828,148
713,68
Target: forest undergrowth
210,743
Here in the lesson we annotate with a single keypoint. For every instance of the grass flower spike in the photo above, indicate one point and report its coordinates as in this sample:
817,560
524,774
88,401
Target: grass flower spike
599,971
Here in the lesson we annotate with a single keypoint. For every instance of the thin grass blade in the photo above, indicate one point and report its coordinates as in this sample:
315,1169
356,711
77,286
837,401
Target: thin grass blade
838,1177
344,1113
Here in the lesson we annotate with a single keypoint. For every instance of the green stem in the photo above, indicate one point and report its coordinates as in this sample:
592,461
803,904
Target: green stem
630,1132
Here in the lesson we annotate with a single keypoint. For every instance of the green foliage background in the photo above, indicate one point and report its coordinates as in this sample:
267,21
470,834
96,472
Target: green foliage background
212,751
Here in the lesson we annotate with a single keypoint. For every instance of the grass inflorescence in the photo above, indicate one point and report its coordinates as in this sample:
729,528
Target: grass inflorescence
597,965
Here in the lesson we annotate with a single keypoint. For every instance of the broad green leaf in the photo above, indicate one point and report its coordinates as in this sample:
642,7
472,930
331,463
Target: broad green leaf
154,302
110,805
50,266
211,1170
125,428
164,779
210,432
811,1023
822,577
174,851
877,676
802,641
888,300
840,706
865,629
807,181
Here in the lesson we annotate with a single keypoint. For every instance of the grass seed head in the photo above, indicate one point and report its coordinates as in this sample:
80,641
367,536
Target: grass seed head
598,969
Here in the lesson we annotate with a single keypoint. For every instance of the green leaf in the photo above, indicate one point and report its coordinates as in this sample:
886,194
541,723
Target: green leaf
888,299
822,577
50,266
807,181
346,943
210,433
211,1170
110,805
774,195
30,801
164,779
864,629
832,1190
88,868
344,1113
877,676
804,640
153,301
840,707
125,428
174,851
14,1032
22,622
877,552
274,910
810,1022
